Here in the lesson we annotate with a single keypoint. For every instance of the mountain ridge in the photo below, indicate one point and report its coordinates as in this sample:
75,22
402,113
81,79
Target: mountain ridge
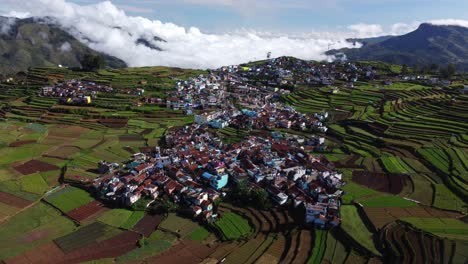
33,42
429,44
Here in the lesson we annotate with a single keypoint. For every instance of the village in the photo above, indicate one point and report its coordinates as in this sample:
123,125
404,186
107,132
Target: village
194,168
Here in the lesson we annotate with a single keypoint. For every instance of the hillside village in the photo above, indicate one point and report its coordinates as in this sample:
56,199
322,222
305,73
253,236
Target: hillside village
195,167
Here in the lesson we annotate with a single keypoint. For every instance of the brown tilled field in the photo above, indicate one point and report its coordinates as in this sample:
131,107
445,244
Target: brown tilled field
62,152
64,131
21,143
148,224
48,253
114,122
12,200
34,166
408,245
380,216
84,212
382,182
186,252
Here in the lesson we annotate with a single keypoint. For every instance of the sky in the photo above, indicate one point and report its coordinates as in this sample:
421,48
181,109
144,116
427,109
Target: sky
291,15
212,33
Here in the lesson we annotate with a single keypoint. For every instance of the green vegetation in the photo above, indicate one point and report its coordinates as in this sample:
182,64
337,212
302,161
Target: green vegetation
121,218
355,227
31,228
199,234
319,247
388,201
443,227
157,243
69,198
355,191
232,226
177,224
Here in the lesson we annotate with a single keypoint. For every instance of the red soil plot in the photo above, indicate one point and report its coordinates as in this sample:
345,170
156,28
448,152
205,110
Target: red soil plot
21,143
110,248
148,224
64,131
12,200
114,122
186,252
34,166
51,253
84,212
48,253
381,181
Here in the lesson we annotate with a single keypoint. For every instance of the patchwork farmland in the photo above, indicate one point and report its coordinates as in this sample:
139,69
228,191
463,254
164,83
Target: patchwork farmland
404,201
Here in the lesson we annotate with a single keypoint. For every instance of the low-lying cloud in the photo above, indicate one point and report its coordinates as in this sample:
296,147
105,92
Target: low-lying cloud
107,28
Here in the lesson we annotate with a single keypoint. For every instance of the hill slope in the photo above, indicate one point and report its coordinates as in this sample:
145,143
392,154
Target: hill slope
31,43
428,44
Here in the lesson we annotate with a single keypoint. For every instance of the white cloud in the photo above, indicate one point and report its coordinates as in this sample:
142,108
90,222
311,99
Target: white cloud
450,22
107,28
65,47
366,30
6,24
403,28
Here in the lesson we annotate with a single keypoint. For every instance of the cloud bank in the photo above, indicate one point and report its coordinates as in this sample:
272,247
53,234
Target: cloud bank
107,28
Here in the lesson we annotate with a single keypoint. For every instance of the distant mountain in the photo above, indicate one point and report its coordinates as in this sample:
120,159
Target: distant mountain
426,45
32,42
369,41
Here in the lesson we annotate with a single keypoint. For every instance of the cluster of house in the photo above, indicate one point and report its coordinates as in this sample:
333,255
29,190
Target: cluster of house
195,168
269,116
75,91
202,92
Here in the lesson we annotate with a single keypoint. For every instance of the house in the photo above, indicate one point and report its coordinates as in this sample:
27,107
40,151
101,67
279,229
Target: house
196,210
465,89
216,181
207,205
219,123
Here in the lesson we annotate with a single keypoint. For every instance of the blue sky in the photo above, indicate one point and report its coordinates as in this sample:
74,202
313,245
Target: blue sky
290,15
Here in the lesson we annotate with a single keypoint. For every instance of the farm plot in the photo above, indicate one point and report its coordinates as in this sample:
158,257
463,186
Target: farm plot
69,198
185,252
382,182
31,228
355,227
34,183
12,200
147,225
319,247
380,216
407,245
442,227
85,236
34,166
62,152
21,143
154,245
199,234
387,201
233,226
177,224
109,248
84,212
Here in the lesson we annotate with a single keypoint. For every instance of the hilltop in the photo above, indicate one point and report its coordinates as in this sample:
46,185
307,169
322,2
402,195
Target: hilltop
428,44
34,42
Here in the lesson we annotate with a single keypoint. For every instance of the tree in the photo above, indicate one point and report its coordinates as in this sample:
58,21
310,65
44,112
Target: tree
91,62
448,72
404,69
261,199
